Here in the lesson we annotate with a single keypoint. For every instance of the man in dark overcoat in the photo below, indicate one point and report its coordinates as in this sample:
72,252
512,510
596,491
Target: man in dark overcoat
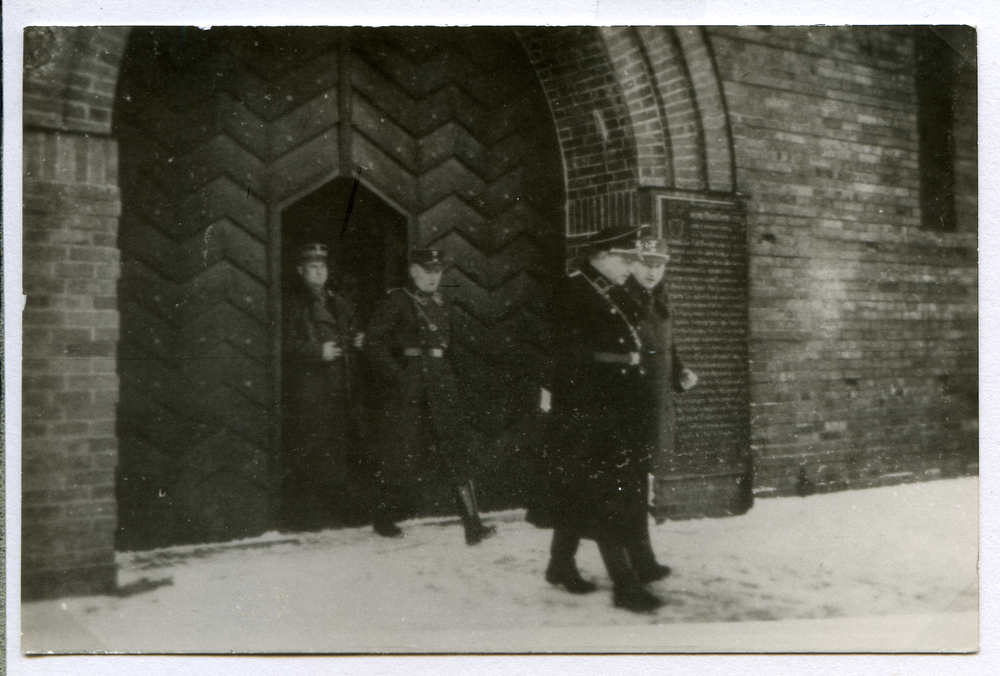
597,385
646,303
421,426
321,345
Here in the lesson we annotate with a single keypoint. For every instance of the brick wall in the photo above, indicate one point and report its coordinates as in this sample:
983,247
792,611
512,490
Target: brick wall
69,385
592,121
863,325
70,320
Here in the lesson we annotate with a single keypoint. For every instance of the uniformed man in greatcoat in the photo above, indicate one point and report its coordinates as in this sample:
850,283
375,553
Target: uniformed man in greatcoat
597,384
422,426
646,303
321,344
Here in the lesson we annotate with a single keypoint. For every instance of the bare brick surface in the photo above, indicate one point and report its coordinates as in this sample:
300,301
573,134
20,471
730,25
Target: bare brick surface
863,339
69,388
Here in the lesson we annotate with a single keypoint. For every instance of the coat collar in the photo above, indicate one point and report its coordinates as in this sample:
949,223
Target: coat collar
597,280
421,297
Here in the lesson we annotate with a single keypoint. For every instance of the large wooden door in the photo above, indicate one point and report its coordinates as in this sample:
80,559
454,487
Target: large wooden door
453,126
220,130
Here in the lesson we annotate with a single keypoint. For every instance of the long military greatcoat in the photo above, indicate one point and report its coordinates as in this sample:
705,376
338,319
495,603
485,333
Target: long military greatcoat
408,345
319,395
649,312
593,482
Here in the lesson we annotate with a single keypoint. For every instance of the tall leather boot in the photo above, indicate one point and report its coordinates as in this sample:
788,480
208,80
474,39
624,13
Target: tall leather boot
384,525
384,505
475,531
628,592
562,563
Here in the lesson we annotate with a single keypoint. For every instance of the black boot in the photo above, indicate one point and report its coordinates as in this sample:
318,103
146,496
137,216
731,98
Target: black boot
628,592
562,563
636,598
384,524
475,531
388,529
654,573
641,555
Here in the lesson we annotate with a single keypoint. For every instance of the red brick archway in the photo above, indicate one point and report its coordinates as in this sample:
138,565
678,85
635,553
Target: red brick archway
639,112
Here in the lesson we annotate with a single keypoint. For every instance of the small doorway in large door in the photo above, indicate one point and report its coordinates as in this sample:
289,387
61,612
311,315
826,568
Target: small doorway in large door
368,242
366,235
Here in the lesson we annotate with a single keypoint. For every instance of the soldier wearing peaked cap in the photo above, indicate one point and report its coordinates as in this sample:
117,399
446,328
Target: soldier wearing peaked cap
321,345
647,306
409,348
589,469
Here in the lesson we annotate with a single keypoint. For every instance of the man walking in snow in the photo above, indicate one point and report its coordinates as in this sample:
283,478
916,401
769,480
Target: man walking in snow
646,304
422,426
591,461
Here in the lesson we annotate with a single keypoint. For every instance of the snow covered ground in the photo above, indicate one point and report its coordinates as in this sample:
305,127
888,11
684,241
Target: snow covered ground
891,568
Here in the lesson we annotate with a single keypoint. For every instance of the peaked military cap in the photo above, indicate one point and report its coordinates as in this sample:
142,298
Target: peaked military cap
616,240
428,259
652,247
314,252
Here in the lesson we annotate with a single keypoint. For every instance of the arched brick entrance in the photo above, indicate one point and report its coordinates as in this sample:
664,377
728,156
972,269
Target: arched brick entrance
642,130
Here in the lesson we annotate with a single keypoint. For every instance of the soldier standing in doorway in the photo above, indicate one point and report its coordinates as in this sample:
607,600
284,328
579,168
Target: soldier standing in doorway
321,347
597,387
646,303
422,426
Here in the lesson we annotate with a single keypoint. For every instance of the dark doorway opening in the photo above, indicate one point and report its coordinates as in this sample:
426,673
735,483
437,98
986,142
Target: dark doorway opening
368,242
327,474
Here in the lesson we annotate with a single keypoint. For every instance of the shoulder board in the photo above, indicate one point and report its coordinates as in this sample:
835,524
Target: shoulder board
575,273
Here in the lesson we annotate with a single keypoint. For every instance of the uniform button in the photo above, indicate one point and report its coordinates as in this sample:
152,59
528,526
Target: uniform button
621,340
623,371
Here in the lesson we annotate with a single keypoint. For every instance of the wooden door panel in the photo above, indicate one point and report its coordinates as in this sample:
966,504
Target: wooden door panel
481,192
449,128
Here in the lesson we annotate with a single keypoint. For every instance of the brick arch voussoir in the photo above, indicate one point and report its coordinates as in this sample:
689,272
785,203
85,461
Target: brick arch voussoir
667,107
592,121
713,114
636,79
672,87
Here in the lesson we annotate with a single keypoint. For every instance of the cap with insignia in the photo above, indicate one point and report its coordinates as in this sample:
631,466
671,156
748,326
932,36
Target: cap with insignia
314,252
621,240
428,259
651,248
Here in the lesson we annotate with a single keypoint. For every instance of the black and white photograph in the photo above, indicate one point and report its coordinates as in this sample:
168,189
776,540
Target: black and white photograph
424,338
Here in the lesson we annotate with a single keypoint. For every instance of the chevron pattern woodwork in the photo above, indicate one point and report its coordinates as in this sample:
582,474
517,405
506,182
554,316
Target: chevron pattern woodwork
215,129
454,127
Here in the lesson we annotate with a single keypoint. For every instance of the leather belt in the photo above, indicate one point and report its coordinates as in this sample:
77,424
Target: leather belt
423,352
629,359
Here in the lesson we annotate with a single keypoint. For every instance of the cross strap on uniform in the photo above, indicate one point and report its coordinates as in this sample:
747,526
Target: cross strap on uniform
602,287
419,303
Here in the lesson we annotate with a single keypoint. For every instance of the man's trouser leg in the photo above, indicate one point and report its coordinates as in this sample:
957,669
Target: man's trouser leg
562,562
